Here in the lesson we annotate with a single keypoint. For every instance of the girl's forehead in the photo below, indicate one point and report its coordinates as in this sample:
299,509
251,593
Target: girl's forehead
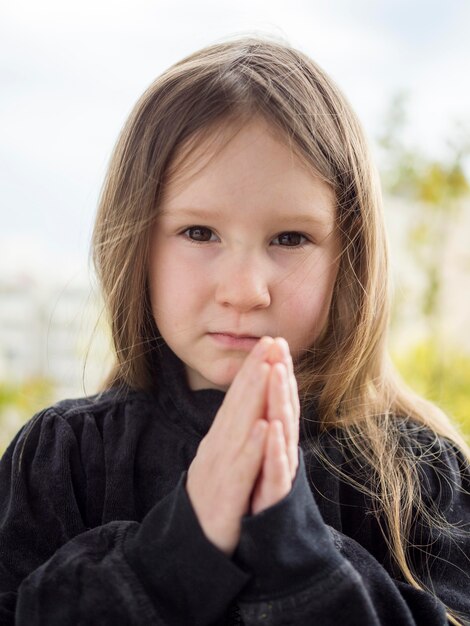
195,153
253,148
205,144
252,209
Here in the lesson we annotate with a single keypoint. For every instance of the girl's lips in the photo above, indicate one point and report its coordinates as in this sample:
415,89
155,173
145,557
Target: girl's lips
241,343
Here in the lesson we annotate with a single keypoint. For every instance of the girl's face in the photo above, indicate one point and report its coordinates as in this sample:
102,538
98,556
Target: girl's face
245,245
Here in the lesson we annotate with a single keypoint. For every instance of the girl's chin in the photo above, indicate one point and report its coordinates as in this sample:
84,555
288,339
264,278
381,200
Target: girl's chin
204,383
222,383
214,377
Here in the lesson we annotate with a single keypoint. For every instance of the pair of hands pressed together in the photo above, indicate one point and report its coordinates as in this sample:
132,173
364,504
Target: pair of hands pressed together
249,458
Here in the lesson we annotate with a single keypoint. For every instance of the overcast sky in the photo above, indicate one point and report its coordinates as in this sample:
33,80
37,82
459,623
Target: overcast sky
71,72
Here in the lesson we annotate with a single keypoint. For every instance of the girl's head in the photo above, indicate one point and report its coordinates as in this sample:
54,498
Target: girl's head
241,199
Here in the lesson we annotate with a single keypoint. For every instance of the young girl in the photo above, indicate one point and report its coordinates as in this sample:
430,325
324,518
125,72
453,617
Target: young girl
251,458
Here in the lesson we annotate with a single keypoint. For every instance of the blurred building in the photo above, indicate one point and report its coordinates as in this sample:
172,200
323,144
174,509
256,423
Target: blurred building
454,258
51,331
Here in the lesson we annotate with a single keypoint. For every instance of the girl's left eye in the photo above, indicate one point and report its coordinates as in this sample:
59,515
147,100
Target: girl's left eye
292,239
201,234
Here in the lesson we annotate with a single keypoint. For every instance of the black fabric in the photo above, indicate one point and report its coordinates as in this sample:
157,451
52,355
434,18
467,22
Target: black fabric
96,527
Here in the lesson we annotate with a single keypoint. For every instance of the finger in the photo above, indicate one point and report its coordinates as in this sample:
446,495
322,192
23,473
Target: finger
294,396
252,457
280,408
272,351
247,376
247,465
287,360
275,352
277,477
279,352
257,355
293,392
238,412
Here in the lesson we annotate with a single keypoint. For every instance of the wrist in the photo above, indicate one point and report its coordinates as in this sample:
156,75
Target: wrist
286,542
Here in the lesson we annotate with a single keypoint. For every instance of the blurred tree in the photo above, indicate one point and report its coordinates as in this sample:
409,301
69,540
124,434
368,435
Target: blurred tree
451,391
18,402
435,190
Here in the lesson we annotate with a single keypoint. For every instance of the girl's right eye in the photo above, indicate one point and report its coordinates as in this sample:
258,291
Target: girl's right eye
198,234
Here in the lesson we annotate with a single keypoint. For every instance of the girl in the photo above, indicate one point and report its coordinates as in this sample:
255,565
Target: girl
251,457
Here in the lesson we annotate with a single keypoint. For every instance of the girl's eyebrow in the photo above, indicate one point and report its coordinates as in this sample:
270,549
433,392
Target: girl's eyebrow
304,218
187,212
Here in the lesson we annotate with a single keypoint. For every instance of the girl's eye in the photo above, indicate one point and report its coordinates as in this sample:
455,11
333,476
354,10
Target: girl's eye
291,239
198,234
202,234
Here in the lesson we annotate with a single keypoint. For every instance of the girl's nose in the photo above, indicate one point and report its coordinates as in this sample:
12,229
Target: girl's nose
242,284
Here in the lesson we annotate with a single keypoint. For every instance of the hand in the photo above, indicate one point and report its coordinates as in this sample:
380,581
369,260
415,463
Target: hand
222,475
281,457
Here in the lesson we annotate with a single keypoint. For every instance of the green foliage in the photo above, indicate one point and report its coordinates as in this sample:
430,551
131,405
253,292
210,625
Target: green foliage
439,183
440,374
436,191
409,173
19,402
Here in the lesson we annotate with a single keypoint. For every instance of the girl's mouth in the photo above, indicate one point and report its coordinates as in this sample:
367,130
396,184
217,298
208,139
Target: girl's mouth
234,341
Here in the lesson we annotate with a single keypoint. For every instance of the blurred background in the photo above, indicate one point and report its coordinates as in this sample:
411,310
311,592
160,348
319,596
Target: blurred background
70,74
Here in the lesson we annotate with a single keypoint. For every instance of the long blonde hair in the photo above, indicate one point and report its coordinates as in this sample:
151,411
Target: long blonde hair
347,372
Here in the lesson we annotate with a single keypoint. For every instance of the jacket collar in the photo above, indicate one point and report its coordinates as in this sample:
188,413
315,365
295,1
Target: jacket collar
194,411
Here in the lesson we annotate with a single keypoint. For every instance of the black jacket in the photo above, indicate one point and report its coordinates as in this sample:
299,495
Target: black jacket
96,527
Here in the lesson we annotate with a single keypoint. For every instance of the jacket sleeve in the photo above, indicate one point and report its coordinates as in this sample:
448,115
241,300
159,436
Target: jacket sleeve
306,573
55,571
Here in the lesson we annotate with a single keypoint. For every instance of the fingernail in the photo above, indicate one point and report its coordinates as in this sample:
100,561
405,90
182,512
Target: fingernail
261,347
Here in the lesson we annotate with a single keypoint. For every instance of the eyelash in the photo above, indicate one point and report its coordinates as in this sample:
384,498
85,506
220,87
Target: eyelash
201,243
